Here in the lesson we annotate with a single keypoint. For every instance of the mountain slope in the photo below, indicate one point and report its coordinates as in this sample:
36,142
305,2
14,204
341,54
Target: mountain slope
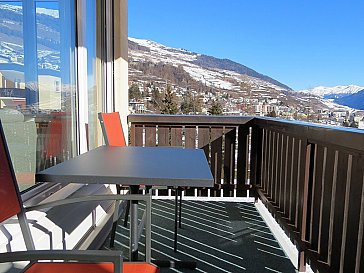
355,100
207,69
226,64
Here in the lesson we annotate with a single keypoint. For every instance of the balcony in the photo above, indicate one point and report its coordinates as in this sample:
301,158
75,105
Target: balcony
309,177
286,194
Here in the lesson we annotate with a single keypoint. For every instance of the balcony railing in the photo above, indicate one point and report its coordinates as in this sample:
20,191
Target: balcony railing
310,177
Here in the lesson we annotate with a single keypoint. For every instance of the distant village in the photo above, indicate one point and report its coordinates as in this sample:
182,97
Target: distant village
146,98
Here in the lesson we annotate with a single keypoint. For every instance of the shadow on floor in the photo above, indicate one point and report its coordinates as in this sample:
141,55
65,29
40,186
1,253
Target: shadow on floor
219,236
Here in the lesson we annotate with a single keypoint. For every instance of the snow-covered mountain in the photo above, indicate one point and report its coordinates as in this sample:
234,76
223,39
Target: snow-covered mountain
325,92
211,71
347,95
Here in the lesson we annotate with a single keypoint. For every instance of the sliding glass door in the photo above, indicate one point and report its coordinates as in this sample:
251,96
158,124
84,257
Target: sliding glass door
38,83
54,62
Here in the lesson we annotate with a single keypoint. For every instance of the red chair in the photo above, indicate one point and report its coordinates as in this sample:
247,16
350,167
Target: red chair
112,131
95,261
114,136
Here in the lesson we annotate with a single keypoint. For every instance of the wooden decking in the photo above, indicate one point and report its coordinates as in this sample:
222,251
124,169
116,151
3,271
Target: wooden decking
219,236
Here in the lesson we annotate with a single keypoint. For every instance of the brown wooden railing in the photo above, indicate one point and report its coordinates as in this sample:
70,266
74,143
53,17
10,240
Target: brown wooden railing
310,177
225,141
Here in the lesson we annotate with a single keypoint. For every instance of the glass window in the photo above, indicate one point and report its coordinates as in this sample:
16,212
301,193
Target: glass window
37,83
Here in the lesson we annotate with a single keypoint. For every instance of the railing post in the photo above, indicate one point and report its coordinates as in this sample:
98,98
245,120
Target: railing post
305,210
132,134
243,136
255,158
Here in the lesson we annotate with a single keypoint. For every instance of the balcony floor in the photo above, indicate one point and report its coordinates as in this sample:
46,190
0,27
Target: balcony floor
219,236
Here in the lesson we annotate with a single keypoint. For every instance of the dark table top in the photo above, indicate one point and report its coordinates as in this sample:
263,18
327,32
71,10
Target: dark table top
158,166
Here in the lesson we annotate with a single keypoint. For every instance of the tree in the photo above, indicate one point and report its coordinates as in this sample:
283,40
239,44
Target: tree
134,92
345,123
156,97
272,114
215,109
354,124
186,107
169,106
190,104
295,115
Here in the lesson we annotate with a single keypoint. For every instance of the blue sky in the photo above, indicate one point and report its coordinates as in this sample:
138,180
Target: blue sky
301,43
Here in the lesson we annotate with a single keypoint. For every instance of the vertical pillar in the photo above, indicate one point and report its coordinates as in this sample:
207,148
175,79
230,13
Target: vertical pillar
121,98
82,75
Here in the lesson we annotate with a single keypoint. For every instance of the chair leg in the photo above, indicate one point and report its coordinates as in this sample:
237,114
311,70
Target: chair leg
175,219
112,234
113,230
180,208
127,211
115,224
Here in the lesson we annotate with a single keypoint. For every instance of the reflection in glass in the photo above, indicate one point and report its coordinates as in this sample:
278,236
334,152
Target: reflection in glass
37,83
48,56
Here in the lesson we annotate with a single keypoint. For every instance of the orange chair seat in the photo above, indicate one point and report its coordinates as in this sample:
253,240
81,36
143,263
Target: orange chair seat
90,268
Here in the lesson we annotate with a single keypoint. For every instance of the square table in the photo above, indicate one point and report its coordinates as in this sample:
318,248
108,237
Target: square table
134,166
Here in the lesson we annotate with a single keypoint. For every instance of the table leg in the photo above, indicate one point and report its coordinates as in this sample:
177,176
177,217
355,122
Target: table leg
133,243
175,218
180,208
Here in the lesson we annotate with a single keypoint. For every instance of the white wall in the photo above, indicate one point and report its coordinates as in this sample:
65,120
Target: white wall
121,61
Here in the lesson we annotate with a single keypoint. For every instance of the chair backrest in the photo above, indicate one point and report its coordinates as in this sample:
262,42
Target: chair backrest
112,129
10,202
